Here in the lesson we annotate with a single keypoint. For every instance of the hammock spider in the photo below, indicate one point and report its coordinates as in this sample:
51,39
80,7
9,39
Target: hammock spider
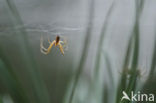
56,42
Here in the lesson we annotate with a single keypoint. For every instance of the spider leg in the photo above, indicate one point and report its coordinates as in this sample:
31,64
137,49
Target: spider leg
63,43
61,48
43,49
44,52
50,46
41,44
49,40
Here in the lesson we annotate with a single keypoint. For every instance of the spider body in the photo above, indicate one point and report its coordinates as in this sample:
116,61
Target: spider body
56,42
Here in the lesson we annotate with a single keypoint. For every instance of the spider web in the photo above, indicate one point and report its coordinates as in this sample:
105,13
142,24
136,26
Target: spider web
44,28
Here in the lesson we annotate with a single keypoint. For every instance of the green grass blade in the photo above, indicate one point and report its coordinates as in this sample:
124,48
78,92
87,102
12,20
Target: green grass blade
1,101
39,88
135,55
85,49
134,71
10,82
153,64
109,67
122,82
102,34
105,94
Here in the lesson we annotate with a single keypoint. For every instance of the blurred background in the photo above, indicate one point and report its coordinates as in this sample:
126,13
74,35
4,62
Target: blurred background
111,47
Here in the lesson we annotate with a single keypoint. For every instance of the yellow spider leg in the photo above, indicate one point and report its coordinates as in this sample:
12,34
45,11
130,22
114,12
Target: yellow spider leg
43,49
63,43
46,51
49,40
51,45
61,48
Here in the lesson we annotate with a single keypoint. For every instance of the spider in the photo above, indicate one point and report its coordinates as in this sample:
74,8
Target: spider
56,42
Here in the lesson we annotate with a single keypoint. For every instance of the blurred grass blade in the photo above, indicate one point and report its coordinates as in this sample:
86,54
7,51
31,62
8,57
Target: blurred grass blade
1,101
134,71
153,64
12,85
100,43
123,80
96,85
85,48
39,89
135,55
105,94
108,66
